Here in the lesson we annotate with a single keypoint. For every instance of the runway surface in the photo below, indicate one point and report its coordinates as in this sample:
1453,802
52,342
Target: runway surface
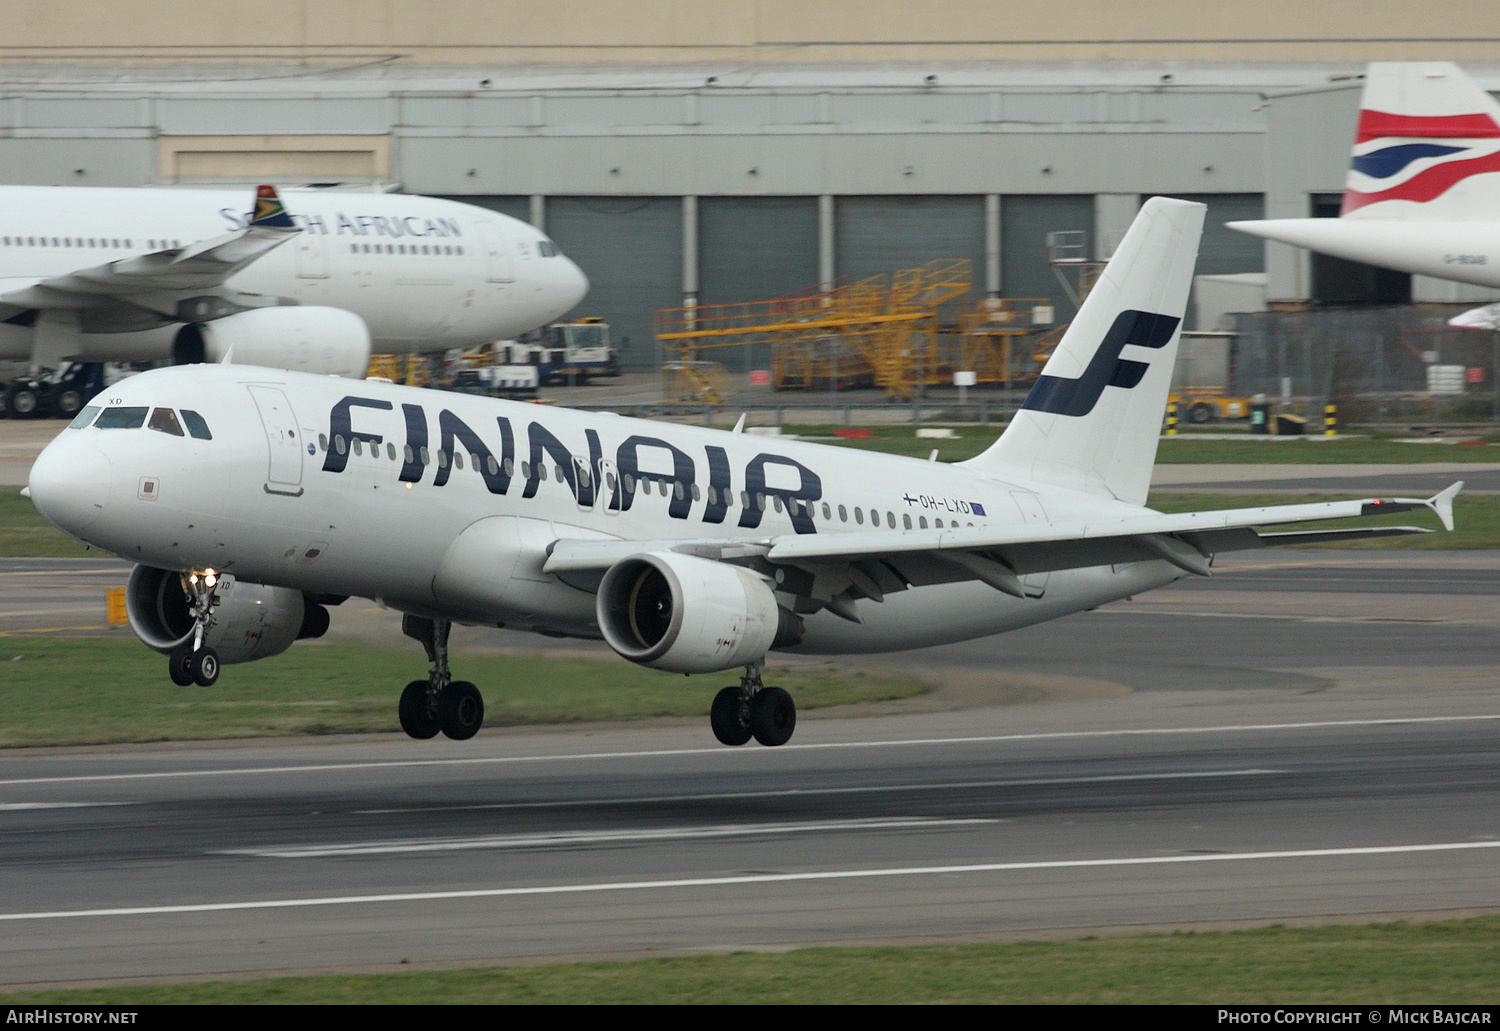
1307,736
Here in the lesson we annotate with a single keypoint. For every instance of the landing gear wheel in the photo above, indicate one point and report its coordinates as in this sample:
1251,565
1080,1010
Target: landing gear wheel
415,719
773,716
182,666
23,401
460,710
68,402
727,717
205,667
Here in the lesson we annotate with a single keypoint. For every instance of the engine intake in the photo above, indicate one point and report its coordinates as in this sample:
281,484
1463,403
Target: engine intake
690,615
252,621
325,341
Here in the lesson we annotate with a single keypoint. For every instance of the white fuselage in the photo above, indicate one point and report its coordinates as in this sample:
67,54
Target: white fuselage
424,274
272,499
1466,252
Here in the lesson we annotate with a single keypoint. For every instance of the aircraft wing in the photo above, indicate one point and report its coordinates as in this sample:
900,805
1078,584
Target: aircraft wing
175,271
872,563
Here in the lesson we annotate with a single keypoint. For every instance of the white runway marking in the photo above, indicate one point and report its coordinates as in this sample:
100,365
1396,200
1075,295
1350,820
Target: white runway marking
10,807
569,838
722,796
710,882
722,751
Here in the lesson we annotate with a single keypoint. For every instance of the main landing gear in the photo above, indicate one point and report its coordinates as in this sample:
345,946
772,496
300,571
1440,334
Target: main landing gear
438,703
194,662
767,714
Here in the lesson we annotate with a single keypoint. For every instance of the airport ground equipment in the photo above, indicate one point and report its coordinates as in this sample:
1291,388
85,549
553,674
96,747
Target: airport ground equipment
893,332
62,396
1203,380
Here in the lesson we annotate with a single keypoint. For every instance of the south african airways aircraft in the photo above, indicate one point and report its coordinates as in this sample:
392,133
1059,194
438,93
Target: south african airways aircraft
196,275
1423,190
252,499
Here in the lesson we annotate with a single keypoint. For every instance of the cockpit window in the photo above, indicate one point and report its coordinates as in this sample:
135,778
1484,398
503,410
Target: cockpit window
165,419
546,248
84,417
122,418
196,426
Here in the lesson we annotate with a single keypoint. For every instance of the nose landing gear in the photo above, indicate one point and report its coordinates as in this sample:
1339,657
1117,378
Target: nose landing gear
194,662
767,714
438,703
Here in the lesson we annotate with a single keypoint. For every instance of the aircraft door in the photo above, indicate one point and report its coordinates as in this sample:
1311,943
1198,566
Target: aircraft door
284,474
312,255
498,264
1034,584
588,490
609,486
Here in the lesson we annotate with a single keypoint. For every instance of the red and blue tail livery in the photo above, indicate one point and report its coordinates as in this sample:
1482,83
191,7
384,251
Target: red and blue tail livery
1426,131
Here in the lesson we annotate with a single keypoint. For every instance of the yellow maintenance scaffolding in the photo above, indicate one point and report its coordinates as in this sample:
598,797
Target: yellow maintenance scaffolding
885,331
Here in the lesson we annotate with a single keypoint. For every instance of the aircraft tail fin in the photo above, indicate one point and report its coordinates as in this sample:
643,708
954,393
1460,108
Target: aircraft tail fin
1427,146
1093,419
270,213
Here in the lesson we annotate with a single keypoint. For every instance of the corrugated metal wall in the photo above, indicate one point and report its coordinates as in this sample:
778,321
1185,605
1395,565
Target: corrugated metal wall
1025,221
752,249
875,235
631,250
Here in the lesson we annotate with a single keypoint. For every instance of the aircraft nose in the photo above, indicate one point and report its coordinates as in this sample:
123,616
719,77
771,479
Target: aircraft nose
575,284
69,484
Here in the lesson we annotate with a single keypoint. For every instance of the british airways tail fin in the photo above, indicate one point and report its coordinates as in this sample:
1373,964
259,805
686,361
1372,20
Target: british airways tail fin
1427,146
270,213
1093,418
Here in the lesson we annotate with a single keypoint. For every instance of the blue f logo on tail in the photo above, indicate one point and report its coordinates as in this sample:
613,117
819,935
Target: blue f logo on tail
1106,369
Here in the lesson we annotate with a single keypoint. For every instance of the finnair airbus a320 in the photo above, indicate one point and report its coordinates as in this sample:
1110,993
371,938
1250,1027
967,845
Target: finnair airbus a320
252,499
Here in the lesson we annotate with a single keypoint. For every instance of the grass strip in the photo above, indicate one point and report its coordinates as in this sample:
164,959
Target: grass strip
1450,961
96,690
1476,519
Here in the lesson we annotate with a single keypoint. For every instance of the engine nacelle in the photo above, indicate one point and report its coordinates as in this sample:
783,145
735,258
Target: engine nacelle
690,615
326,341
252,621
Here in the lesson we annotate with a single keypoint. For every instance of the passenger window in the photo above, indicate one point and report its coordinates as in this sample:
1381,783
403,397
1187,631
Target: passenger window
905,521
890,520
390,451
122,419
510,468
359,447
859,516
492,465
922,522
426,456
322,442
338,443
826,513
776,500
165,420
84,417
678,491
458,459
196,427
938,523
406,453
843,514
696,494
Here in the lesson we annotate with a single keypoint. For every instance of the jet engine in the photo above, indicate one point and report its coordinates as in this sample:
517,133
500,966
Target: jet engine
324,341
691,615
251,621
